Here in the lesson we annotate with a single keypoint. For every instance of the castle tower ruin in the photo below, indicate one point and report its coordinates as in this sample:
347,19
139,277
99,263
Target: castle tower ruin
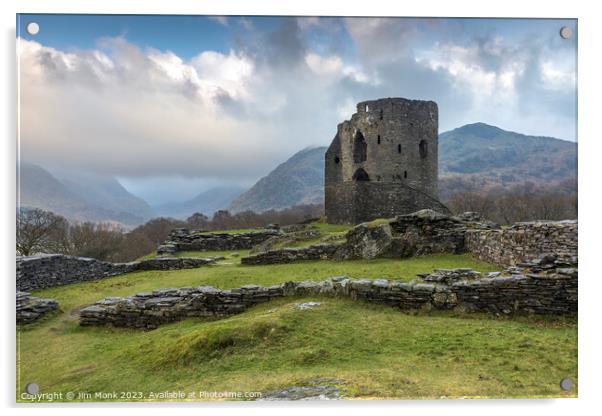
383,162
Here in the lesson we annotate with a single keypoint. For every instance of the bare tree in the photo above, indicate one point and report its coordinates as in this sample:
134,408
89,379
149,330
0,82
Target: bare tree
526,203
40,231
99,241
198,221
471,201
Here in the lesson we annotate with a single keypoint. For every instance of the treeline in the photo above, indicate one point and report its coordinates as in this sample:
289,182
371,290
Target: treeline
524,203
451,185
40,231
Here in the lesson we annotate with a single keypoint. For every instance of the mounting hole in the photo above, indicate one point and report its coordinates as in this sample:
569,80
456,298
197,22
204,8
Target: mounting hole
566,32
32,388
566,384
32,28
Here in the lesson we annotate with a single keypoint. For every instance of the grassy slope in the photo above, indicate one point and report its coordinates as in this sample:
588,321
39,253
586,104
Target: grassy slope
376,350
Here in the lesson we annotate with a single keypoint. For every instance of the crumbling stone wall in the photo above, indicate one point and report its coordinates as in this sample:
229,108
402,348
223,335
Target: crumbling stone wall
30,308
288,255
174,263
182,239
524,241
42,271
383,162
418,233
429,232
553,292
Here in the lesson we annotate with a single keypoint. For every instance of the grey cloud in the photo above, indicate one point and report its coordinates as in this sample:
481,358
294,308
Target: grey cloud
133,120
380,39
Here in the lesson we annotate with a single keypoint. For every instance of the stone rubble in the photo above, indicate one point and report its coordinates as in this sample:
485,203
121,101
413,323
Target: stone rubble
307,305
320,389
31,308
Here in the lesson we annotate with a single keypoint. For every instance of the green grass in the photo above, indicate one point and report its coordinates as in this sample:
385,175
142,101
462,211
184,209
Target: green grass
331,228
226,276
377,351
230,257
379,221
325,229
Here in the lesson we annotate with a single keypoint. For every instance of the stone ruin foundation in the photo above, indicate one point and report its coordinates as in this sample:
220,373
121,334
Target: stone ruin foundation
541,287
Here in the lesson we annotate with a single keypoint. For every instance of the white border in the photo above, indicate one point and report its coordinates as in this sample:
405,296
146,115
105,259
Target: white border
589,175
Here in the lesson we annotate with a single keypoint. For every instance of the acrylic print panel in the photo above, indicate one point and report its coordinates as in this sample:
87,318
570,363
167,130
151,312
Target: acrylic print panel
289,208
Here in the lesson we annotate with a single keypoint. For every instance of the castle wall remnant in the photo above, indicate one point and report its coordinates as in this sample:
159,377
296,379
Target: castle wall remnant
182,239
524,241
321,251
553,293
429,232
383,162
48,270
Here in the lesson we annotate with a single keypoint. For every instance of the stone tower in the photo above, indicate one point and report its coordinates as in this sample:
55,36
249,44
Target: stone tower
383,162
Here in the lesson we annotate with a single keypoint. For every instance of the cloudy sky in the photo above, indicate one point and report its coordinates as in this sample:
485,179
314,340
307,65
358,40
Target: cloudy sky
173,105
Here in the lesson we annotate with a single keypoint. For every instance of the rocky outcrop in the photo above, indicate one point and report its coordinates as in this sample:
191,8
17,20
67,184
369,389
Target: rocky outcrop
366,241
422,232
42,271
524,241
418,233
30,308
319,389
288,255
551,291
182,239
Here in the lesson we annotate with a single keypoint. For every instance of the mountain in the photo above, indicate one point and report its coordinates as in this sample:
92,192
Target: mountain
101,200
299,180
474,157
108,193
480,157
206,202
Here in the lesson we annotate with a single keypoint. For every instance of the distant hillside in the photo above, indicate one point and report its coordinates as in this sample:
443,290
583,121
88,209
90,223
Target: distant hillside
206,202
480,157
108,193
299,180
475,157
81,198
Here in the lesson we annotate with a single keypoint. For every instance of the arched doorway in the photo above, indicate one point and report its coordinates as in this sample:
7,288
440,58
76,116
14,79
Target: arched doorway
361,175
